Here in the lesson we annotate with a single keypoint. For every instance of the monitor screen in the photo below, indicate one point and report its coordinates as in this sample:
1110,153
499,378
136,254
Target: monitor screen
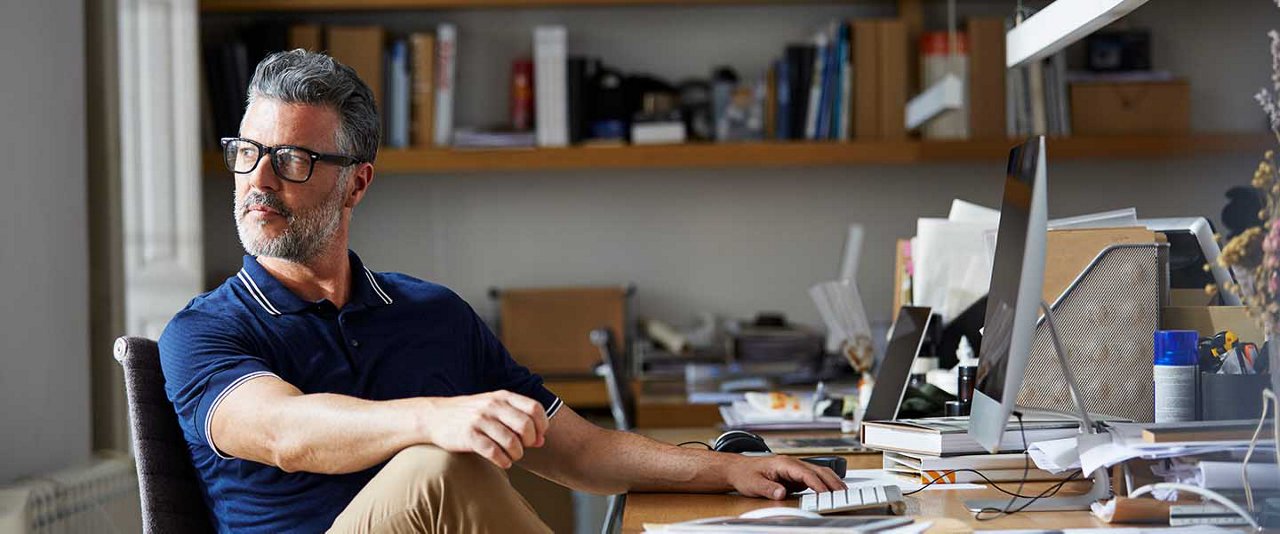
895,369
1006,272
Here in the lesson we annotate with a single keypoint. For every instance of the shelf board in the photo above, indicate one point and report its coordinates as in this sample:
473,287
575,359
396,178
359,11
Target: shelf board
249,6
793,154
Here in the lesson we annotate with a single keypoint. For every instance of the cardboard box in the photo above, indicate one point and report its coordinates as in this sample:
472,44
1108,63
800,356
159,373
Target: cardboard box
1209,320
1108,108
546,329
1069,252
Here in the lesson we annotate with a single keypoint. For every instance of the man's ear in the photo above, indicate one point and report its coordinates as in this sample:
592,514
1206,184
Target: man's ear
360,181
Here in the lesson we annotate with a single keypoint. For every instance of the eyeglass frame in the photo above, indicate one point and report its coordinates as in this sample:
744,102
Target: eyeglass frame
342,160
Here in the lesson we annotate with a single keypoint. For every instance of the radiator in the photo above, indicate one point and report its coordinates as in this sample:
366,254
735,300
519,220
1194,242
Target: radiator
100,497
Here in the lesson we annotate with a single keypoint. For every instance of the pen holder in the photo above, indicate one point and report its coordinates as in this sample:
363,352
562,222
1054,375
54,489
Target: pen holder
1231,396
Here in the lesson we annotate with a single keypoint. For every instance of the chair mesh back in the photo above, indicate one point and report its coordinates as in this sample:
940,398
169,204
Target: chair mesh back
1107,322
172,498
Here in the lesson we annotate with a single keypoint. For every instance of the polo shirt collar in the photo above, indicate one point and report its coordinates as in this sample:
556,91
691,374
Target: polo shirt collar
276,299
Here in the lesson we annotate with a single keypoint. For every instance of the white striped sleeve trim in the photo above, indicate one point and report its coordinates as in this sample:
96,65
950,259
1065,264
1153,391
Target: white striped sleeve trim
554,408
377,288
256,293
208,418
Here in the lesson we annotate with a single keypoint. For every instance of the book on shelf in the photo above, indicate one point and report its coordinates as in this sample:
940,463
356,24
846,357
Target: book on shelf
422,127
771,101
550,51
799,60
522,94
818,73
866,86
892,34
306,36
361,48
843,112
226,85
397,99
949,436
827,102
446,70
782,93
986,88
581,94
1037,99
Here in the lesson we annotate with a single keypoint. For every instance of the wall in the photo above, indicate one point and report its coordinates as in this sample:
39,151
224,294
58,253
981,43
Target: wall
738,241
44,376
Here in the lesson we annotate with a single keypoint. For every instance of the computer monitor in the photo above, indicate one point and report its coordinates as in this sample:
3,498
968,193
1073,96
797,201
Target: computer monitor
905,339
1017,280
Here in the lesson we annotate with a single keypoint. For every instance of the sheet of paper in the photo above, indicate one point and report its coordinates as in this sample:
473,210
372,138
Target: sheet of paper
965,211
964,285
1106,219
1055,456
942,246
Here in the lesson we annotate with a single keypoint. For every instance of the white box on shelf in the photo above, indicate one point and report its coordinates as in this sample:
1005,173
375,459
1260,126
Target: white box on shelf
551,92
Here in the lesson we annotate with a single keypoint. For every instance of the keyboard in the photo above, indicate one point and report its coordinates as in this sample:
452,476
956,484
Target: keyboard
875,499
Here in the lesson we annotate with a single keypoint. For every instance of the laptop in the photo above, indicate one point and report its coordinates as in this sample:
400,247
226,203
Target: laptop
906,336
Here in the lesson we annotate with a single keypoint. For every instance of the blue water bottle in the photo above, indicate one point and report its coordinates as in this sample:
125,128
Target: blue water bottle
1176,366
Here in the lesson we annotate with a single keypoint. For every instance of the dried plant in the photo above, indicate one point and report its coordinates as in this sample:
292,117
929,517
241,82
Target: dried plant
1254,254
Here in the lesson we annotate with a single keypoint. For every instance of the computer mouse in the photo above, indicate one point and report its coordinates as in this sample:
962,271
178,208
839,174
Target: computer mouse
779,511
739,441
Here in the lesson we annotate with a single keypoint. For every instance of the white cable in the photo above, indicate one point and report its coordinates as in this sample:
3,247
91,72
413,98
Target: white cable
1253,443
1207,493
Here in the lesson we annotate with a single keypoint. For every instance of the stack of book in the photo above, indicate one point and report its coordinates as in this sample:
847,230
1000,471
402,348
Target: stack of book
849,81
940,451
949,436
1007,467
1038,100
412,77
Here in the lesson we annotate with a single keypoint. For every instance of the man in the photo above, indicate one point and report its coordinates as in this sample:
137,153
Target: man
316,394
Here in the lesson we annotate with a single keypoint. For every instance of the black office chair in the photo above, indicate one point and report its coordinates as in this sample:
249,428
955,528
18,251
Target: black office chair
172,499
621,404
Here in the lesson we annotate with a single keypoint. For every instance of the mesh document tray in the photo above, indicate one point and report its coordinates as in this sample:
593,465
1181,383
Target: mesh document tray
1107,319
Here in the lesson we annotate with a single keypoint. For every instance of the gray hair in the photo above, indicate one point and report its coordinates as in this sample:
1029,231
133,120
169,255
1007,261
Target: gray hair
302,77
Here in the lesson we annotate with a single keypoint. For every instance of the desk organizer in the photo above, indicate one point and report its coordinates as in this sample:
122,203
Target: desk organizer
1231,396
1107,320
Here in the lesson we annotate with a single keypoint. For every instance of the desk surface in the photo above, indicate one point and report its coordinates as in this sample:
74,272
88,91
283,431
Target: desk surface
644,508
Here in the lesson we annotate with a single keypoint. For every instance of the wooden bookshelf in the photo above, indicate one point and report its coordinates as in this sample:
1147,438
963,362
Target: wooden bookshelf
246,6
795,154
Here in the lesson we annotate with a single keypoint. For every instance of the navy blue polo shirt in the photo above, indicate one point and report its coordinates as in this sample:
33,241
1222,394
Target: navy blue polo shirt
397,337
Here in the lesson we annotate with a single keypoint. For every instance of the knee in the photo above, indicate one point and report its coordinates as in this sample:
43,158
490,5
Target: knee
430,463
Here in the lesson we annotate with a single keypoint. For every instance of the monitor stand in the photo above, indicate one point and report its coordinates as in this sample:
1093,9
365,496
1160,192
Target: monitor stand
1101,482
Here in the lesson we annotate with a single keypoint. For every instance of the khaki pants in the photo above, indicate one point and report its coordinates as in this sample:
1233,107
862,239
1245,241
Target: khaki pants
424,489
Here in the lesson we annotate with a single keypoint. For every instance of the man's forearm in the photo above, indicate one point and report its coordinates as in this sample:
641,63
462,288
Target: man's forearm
638,463
586,457
333,434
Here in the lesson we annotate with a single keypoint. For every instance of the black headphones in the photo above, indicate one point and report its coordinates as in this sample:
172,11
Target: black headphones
739,441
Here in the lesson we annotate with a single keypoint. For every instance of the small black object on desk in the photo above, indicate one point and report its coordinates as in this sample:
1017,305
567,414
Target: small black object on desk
741,441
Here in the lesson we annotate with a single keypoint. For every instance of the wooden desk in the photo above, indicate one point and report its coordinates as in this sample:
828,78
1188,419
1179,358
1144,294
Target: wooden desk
945,505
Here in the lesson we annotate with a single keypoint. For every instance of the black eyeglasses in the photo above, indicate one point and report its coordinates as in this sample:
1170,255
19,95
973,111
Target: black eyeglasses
291,163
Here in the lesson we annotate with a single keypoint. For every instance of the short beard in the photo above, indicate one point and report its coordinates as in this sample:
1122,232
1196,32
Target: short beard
308,231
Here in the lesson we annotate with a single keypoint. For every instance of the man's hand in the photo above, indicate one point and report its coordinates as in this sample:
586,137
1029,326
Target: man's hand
773,477
497,425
